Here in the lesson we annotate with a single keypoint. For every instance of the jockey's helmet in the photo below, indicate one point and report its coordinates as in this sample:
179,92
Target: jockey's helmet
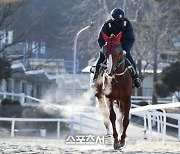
117,14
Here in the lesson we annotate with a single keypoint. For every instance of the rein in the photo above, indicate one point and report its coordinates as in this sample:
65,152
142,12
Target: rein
118,65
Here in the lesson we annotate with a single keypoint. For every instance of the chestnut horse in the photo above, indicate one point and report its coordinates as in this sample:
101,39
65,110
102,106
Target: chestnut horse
114,84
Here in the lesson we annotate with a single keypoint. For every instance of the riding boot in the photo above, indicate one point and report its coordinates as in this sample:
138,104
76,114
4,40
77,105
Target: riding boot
134,71
94,83
100,60
136,80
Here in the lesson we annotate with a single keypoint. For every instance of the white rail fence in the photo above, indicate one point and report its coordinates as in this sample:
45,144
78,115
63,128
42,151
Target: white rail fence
21,97
29,99
149,113
71,121
13,120
151,116
88,120
148,99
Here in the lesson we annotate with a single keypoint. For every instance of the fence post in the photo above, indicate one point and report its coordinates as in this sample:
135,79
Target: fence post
153,119
4,95
179,129
145,127
150,126
12,95
164,129
158,128
22,98
58,129
12,128
161,122
81,118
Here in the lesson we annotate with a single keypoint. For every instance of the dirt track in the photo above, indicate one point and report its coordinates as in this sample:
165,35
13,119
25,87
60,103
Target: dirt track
55,146
135,144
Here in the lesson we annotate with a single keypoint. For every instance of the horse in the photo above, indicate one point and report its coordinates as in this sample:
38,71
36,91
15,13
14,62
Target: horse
114,84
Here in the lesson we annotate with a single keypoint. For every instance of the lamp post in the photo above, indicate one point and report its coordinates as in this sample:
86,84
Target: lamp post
74,59
124,5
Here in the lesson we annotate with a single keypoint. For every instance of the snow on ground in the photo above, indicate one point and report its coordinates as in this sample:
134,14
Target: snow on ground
49,145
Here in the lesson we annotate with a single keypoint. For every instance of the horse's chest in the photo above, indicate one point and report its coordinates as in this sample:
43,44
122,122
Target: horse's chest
107,87
112,88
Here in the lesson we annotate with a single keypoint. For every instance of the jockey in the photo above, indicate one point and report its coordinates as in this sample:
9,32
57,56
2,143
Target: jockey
113,26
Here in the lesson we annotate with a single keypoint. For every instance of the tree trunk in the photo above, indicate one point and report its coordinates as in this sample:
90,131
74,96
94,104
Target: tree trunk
154,98
139,66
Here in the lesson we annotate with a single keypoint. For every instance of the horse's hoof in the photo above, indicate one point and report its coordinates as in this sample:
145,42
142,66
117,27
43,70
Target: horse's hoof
109,139
122,145
117,146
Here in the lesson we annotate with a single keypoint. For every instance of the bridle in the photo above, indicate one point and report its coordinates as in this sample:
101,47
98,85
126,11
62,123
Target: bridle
113,48
120,62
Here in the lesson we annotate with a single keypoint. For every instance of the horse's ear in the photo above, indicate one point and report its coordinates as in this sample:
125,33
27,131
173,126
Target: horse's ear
105,37
118,36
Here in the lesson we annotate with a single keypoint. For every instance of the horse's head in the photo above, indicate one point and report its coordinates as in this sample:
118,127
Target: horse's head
113,51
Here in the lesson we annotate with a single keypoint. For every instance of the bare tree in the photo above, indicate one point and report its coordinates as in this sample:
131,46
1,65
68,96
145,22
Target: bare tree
13,44
156,24
8,13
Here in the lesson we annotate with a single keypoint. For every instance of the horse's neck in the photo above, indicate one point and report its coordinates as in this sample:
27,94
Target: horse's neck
121,68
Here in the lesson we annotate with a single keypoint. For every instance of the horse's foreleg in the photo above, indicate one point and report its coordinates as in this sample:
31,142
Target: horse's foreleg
105,113
112,118
126,108
120,118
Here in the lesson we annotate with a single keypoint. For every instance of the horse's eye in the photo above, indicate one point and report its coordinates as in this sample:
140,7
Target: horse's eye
117,49
104,49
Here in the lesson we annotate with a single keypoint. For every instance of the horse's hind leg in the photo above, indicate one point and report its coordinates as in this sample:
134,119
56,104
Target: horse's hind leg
125,107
